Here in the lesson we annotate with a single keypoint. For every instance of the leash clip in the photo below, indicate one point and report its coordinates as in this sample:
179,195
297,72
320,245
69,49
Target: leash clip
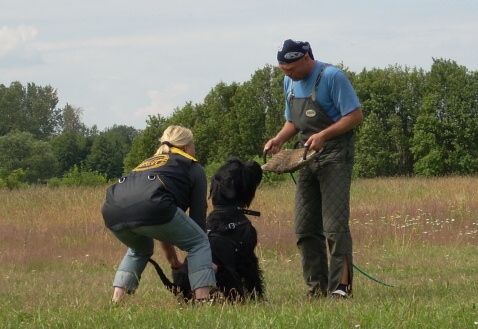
230,226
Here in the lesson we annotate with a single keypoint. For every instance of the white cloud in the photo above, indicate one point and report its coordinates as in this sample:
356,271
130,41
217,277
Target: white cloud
14,38
162,102
16,47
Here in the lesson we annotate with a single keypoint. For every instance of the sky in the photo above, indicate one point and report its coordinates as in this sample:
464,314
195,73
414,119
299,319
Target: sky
120,61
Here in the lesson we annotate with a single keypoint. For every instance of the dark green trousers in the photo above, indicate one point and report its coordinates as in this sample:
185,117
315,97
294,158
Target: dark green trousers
322,212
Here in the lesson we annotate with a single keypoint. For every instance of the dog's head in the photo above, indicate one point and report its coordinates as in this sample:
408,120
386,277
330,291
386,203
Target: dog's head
235,183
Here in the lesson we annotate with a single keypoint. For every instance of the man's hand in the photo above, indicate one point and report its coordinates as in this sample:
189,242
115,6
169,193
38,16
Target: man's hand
287,132
315,142
272,146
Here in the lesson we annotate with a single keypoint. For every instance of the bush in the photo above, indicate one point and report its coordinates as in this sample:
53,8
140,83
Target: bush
12,180
54,182
75,177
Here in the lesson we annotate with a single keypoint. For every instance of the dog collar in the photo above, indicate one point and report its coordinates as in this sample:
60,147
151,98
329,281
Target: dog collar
244,211
251,212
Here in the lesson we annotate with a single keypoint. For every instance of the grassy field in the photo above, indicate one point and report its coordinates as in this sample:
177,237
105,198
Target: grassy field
418,235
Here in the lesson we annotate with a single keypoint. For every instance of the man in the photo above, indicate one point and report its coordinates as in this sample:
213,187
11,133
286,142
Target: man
322,108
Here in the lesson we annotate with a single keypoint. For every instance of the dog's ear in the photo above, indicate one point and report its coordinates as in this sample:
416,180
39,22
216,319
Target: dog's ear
251,178
255,171
222,187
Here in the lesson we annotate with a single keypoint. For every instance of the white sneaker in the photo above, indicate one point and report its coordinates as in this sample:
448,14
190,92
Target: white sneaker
339,294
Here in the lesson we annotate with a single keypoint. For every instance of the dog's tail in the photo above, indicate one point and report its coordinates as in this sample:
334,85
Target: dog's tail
171,286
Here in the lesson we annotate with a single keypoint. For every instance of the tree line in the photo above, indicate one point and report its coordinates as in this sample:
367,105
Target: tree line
415,123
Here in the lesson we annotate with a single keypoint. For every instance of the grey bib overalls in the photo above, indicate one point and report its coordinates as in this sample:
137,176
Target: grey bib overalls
322,198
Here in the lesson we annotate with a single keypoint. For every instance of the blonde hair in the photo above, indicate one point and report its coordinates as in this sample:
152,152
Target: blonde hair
174,136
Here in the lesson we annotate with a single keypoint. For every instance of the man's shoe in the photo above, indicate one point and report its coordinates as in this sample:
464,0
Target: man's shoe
338,294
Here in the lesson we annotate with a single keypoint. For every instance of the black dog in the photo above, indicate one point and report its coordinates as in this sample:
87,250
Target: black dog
232,236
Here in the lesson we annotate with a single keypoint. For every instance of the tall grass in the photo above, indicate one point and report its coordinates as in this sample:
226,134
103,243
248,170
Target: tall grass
418,235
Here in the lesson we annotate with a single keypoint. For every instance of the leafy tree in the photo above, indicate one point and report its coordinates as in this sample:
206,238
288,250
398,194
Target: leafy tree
203,125
259,109
372,155
146,144
393,96
235,120
70,149
109,150
214,127
414,123
274,102
70,120
20,150
187,116
10,108
31,108
446,132
93,131
105,157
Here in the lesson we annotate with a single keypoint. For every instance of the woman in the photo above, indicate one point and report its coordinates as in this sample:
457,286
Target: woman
149,204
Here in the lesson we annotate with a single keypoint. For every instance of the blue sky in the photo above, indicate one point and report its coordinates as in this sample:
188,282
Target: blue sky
120,61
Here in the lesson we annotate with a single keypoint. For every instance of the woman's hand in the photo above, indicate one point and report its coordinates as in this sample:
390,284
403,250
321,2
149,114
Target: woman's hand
171,255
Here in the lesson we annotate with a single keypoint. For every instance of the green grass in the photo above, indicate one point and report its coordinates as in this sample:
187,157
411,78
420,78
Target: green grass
419,235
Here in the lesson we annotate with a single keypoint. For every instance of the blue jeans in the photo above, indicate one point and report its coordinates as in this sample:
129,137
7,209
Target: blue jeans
181,232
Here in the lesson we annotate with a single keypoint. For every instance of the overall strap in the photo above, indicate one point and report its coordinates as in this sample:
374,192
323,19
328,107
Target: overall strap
290,94
317,81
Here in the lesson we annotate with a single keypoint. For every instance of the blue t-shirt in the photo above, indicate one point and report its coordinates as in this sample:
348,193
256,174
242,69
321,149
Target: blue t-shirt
335,92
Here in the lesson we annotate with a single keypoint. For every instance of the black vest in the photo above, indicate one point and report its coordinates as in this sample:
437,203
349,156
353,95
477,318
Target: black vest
150,194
